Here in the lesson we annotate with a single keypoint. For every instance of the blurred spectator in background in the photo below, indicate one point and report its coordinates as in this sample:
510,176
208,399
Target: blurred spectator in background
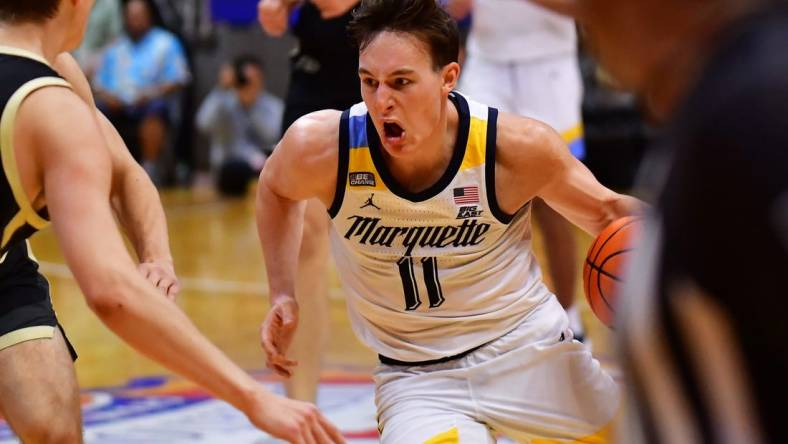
105,25
324,75
138,81
243,121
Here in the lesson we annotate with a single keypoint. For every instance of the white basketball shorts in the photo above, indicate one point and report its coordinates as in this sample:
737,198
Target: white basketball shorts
535,384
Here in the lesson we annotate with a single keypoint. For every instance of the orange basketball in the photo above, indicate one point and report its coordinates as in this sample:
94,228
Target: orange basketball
602,271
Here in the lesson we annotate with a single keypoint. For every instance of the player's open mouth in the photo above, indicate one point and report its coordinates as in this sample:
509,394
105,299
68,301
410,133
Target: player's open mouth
393,133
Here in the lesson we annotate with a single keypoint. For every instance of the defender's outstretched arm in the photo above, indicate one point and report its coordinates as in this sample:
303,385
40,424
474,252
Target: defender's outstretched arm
134,198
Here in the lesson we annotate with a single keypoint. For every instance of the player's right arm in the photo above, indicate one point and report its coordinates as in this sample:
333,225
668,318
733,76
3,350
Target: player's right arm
303,166
75,169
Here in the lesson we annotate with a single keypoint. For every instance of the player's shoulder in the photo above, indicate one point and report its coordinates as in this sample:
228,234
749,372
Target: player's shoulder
318,130
69,69
57,101
304,163
522,140
55,111
310,145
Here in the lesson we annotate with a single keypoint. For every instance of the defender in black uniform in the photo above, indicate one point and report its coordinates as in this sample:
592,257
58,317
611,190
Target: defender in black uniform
704,320
25,308
324,66
62,159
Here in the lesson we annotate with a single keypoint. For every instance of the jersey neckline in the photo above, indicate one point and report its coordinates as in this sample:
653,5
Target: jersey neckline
19,52
463,127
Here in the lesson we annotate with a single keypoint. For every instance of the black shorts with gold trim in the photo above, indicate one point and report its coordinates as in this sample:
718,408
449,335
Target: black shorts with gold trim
26,311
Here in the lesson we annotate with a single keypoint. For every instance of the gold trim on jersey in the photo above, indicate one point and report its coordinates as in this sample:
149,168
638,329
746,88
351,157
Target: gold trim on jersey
572,134
476,148
26,334
26,212
19,52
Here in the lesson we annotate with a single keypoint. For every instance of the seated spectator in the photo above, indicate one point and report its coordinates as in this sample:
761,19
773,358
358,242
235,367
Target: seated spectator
104,27
138,81
243,122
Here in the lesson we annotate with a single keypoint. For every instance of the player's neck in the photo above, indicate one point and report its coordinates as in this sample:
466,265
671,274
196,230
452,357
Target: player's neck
33,38
427,163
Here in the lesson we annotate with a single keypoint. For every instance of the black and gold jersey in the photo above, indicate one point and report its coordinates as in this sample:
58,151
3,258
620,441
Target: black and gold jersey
21,73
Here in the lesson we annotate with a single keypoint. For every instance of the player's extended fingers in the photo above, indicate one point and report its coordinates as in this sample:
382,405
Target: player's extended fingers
145,270
173,290
164,283
306,432
154,277
267,339
335,436
282,371
283,360
277,369
320,435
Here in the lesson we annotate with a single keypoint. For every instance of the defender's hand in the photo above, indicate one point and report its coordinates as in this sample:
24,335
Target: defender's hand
161,273
294,421
277,333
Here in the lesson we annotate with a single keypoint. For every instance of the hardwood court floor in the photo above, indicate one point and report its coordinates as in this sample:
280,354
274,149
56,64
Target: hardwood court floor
218,259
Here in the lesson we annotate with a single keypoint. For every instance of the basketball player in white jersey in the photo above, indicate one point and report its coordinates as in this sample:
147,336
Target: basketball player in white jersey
522,59
430,196
62,162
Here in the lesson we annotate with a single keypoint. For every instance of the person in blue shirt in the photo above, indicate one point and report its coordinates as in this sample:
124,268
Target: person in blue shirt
138,80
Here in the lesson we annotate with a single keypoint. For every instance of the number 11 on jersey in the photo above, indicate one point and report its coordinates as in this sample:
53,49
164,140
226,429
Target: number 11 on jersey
411,288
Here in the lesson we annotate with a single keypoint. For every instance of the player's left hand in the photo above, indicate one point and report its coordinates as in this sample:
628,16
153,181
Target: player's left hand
277,333
161,273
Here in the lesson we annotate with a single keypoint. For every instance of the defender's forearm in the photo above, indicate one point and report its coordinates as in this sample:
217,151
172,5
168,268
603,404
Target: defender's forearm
138,208
157,328
135,201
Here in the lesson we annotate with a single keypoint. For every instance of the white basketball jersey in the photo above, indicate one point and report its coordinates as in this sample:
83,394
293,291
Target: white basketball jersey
430,274
518,30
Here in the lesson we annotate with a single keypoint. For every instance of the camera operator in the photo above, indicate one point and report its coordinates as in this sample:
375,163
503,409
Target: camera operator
243,122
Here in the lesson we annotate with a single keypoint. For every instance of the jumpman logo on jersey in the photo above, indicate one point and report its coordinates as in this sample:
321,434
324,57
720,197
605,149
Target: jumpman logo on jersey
370,203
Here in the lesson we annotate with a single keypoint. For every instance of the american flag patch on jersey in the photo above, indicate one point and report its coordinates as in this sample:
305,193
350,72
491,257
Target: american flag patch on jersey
466,195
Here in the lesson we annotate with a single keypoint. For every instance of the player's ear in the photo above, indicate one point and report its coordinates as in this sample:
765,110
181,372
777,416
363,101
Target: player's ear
450,75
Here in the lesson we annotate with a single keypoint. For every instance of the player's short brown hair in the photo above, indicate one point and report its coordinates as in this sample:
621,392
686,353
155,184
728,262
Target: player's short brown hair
25,11
424,19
